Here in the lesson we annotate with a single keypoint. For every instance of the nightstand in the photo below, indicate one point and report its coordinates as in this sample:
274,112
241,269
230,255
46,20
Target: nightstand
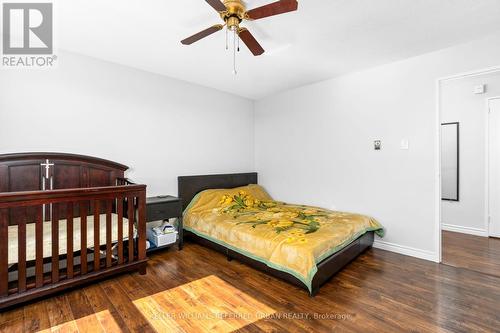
162,208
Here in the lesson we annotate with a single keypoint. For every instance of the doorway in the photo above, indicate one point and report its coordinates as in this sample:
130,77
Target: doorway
494,167
470,171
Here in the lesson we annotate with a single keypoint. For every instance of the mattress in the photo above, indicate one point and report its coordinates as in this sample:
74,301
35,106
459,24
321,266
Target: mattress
63,242
290,238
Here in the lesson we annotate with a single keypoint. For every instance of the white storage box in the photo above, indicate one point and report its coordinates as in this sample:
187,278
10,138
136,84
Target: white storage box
161,240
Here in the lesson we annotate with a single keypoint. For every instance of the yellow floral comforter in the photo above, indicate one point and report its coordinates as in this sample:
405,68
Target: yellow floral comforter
290,238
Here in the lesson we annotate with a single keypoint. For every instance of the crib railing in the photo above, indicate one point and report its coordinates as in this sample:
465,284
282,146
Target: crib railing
70,263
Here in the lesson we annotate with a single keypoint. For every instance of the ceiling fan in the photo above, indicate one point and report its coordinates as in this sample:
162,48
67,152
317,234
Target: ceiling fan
233,12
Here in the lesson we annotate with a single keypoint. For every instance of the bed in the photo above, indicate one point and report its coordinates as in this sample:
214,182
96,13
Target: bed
66,220
303,245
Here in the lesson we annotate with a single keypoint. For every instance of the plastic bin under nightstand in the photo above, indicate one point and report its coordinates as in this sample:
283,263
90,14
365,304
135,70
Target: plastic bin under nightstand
162,239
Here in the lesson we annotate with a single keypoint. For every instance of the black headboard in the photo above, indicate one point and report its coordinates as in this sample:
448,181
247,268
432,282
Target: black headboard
189,186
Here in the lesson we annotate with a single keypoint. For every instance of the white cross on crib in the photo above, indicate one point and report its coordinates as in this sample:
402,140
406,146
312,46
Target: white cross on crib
47,166
46,179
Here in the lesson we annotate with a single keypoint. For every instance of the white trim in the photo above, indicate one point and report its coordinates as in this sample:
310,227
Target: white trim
406,250
437,166
465,230
437,155
487,178
478,72
487,167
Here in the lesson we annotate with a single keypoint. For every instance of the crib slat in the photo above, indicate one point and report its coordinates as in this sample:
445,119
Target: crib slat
131,211
119,208
83,236
109,208
141,227
39,247
97,242
55,243
21,253
4,254
69,239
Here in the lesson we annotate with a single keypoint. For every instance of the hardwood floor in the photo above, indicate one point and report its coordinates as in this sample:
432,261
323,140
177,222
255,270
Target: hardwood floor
197,290
480,254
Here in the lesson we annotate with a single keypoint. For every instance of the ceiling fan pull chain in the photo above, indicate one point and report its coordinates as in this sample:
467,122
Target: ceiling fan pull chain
234,52
227,46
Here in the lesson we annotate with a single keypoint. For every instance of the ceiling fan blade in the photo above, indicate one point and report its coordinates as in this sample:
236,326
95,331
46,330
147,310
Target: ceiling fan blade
202,34
217,5
250,42
275,8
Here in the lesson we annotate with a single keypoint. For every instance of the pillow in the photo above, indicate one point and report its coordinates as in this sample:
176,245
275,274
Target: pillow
210,199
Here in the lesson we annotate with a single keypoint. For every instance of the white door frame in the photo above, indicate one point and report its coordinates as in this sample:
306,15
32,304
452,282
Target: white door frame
437,152
487,178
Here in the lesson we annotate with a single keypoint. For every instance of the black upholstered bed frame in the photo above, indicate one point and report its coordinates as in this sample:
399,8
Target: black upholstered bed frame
189,186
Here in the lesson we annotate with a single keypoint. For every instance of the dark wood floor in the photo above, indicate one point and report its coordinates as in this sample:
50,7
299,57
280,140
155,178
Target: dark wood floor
480,254
379,292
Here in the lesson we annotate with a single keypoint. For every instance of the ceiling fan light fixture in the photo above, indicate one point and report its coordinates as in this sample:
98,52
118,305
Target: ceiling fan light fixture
233,12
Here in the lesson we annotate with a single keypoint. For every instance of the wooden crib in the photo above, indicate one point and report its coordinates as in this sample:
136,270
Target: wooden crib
66,220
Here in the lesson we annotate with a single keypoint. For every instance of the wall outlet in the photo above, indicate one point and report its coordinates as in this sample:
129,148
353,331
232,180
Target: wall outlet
377,144
405,144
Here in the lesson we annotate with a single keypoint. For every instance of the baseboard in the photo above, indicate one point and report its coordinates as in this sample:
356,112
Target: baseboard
464,230
406,250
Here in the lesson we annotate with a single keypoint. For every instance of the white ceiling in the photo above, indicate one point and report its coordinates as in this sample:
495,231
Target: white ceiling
323,39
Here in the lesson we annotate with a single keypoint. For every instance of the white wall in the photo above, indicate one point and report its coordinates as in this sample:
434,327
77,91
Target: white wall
161,128
312,144
315,144
458,103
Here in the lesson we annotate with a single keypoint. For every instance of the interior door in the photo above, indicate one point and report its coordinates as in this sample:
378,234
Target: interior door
494,167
